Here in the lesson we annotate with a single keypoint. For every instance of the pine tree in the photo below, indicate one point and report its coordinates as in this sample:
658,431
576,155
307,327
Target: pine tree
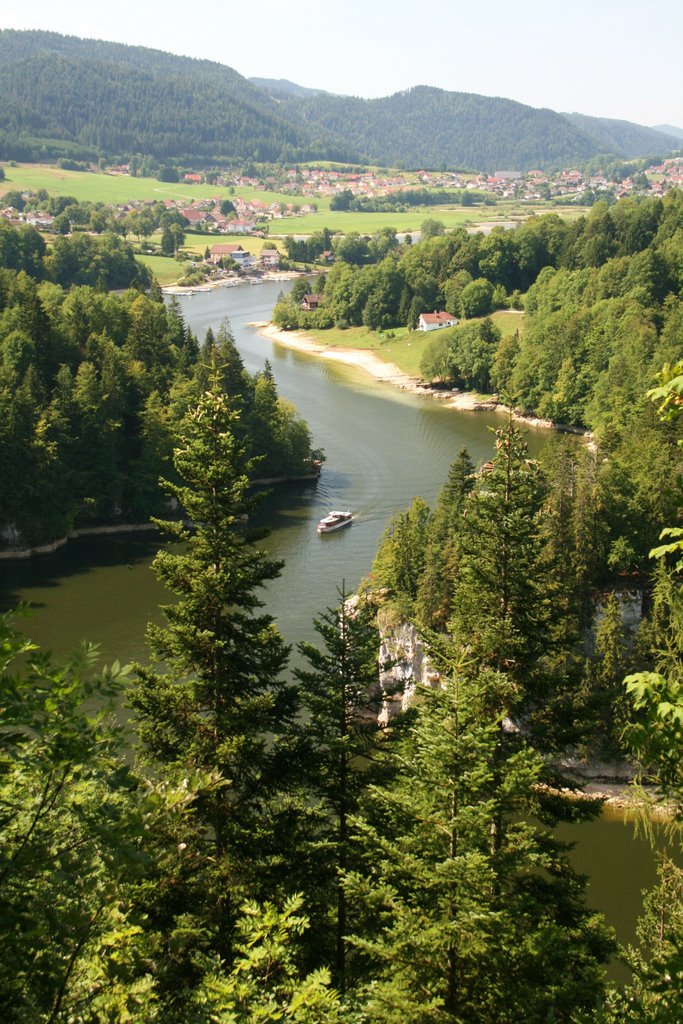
435,589
339,697
467,910
400,558
601,700
500,606
215,703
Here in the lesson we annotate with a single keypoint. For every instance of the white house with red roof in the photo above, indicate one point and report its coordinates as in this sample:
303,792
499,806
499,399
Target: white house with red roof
436,320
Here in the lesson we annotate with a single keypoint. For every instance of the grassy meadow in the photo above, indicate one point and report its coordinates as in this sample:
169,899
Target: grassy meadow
120,188
165,269
406,347
196,242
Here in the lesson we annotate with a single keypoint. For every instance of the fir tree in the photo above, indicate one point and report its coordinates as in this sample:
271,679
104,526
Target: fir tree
435,589
467,910
339,696
502,601
216,703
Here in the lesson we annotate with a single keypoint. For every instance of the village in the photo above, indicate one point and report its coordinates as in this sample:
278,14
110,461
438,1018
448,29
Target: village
308,185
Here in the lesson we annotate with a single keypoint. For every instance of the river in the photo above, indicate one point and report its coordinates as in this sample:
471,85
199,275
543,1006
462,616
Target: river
383,447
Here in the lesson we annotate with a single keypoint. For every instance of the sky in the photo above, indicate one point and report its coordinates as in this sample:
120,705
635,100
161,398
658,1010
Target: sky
606,58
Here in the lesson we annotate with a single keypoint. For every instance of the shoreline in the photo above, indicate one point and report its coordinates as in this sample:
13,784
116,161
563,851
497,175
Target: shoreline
231,282
50,547
390,373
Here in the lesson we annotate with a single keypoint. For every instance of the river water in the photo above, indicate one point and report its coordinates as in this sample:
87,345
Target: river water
383,447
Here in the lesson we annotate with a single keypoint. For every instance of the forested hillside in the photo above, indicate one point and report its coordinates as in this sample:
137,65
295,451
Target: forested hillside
602,301
623,137
90,98
119,100
94,385
431,127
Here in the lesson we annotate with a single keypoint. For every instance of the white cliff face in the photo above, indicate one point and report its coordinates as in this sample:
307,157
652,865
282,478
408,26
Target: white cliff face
403,651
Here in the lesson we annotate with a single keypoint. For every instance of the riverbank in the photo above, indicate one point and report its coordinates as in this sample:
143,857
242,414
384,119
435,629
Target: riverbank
49,548
389,373
233,282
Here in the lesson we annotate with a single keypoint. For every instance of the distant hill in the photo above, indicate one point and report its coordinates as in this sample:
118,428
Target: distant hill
63,95
285,87
430,127
116,99
669,129
624,138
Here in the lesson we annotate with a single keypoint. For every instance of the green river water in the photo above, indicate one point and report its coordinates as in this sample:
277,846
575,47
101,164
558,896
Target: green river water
383,448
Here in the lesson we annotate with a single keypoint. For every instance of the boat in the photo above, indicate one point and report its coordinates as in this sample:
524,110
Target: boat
334,521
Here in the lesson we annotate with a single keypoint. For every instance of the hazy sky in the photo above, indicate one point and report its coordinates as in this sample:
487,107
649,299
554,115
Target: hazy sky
608,58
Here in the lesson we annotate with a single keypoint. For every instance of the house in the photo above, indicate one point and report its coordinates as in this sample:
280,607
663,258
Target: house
311,302
240,226
434,321
233,251
193,216
270,258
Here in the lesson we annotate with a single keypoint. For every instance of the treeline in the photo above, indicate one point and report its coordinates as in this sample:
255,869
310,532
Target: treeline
93,387
105,262
599,322
403,200
351,247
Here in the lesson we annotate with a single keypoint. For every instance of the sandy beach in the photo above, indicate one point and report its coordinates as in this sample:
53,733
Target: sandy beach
390,373
378,369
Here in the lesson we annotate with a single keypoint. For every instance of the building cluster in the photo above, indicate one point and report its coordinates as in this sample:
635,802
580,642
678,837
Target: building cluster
313,183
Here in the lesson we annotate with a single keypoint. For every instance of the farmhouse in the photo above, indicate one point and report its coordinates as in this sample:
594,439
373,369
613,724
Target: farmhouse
434,321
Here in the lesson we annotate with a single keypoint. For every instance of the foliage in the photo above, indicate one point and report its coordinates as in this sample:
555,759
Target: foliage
73,822
264,984
467,910
339,695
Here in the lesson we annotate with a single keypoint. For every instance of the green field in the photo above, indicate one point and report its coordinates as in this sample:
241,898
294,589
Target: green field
196,242
165,268
107,188
342,222
406,347
120,188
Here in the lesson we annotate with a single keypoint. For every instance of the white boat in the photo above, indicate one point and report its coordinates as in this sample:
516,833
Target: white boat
334,521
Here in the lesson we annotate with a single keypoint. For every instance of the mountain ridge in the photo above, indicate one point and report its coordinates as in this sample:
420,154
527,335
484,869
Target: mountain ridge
112,99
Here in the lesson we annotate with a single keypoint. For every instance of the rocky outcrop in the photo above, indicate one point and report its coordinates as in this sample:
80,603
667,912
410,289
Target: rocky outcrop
404,653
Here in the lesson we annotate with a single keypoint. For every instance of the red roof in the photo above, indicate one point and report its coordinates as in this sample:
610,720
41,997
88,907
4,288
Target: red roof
437,317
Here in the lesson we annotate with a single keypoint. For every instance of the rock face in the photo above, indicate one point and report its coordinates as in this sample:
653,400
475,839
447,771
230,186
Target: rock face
403,651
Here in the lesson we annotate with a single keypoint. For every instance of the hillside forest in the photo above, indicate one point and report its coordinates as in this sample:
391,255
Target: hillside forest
93,386
260,842
84,99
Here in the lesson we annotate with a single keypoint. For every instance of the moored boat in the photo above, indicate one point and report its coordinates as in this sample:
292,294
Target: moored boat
334,521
